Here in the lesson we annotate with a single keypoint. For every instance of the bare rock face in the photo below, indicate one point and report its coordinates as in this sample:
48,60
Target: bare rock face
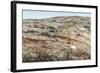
56,39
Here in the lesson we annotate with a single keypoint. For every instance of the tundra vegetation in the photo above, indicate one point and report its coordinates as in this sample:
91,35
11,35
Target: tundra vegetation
60,38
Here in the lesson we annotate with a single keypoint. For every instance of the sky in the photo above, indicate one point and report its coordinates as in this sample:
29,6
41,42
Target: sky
33,14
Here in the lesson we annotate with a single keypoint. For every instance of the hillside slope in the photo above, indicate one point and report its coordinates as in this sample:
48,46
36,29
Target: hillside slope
56,39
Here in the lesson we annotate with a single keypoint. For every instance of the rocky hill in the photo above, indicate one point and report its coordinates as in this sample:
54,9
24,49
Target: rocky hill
56,39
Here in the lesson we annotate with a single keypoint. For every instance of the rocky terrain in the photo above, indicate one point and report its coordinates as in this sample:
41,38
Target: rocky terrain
56,39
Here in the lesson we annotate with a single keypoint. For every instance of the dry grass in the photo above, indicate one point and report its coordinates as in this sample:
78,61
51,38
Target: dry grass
41,51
